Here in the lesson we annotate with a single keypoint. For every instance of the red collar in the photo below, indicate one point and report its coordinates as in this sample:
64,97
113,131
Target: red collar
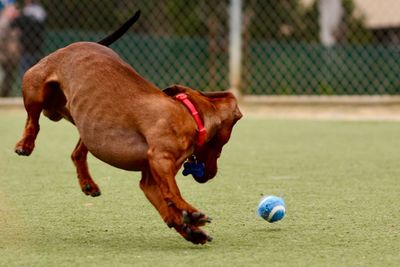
202,130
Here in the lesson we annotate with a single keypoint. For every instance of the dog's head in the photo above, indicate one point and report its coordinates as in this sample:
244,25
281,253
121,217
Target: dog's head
220,112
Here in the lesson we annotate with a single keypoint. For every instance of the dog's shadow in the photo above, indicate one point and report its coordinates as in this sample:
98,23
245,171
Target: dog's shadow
126,243
269,230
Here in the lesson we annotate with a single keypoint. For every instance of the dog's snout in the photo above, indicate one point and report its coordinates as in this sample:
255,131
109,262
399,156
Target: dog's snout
201,180
207,176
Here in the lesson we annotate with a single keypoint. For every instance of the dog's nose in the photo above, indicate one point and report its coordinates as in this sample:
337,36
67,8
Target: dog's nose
201,180
207,176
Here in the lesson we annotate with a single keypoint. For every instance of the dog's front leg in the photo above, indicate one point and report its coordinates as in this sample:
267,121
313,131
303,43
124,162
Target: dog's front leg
79,158
172,216
159,185
153,193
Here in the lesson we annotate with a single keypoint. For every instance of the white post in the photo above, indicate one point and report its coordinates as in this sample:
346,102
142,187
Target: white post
235,45
330,15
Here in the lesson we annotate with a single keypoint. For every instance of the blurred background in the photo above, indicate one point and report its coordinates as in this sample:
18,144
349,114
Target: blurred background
259,47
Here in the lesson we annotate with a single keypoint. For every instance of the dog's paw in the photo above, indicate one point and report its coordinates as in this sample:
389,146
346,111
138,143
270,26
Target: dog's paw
195,218
24,148
91,190
21,151
195,235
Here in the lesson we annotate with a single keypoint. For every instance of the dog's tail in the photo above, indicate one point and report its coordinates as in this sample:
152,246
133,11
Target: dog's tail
107,41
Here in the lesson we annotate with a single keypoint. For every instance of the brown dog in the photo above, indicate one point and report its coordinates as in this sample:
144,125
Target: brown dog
129,123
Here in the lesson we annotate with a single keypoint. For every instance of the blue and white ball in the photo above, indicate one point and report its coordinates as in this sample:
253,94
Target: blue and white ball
271,208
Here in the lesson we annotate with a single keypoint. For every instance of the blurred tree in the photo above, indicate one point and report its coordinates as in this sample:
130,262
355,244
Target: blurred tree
355,30
165,17
264,19
290,20
275,19
352,29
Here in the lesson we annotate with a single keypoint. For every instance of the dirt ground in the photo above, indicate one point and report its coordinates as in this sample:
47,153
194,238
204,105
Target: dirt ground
303,107
325,108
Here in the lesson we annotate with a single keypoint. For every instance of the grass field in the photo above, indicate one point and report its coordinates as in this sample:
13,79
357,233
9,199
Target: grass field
340,181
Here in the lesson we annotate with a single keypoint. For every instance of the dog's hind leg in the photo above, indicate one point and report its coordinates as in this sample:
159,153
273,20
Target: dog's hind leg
39,95
79,158
34,97
27,143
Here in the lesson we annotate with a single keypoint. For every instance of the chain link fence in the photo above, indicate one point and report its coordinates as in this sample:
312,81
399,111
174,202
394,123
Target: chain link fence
187,42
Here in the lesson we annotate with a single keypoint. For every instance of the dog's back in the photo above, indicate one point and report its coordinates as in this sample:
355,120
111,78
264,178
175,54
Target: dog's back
91,86
96,70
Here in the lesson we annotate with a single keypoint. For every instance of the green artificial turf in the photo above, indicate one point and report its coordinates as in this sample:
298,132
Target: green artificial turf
340,181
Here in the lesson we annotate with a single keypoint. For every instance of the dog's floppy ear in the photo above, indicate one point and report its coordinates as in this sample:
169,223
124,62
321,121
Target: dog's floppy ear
175,89
218,94
226,97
